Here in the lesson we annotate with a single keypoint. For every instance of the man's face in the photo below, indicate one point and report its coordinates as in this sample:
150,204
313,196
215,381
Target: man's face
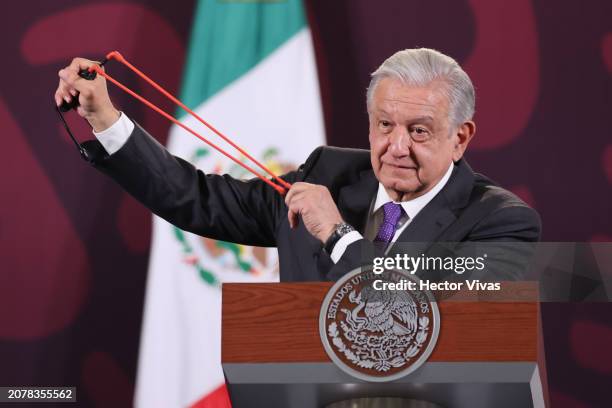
410,137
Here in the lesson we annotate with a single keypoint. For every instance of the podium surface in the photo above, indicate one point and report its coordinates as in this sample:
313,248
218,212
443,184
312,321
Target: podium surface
489,350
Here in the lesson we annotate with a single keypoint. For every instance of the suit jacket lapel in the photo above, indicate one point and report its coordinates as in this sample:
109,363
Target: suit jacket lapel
354,204
440,212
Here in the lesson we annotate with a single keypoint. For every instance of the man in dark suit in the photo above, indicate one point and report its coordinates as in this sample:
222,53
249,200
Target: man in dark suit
345,205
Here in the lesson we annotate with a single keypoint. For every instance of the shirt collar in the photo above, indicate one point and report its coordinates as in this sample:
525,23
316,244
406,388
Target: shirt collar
412,207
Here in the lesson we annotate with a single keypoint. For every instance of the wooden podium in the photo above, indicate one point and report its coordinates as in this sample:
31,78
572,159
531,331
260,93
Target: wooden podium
489,351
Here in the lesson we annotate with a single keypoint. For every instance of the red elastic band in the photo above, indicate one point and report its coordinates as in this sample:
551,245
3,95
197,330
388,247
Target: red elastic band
118,57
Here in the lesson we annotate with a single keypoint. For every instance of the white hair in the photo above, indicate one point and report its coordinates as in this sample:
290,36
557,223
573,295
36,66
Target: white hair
420,67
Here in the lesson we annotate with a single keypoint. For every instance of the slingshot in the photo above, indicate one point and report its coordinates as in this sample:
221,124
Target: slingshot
278,184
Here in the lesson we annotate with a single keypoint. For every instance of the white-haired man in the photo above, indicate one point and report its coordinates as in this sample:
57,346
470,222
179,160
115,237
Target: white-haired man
412,186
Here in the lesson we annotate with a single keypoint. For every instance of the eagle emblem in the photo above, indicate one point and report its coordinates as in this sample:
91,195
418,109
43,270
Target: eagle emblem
387,312
378,335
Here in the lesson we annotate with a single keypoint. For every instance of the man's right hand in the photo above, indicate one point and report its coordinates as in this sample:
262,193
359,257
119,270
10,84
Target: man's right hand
94,103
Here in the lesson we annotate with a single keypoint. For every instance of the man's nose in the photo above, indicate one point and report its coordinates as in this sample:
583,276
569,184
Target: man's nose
400,141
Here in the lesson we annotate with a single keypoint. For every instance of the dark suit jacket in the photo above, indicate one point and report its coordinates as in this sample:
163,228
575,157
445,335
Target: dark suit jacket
469,208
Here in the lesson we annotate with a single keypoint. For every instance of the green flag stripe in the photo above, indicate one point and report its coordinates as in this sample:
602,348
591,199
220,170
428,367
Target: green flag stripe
229,37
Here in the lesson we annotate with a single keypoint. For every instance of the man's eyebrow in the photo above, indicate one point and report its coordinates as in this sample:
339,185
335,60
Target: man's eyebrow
380,110
425,118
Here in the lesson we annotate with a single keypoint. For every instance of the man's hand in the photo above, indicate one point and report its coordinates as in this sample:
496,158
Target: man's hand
95,104
316,207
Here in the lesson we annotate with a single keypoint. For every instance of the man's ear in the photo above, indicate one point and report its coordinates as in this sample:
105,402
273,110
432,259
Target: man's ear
462,137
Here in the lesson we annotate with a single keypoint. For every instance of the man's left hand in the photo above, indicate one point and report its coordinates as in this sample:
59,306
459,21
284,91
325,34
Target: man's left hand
315,205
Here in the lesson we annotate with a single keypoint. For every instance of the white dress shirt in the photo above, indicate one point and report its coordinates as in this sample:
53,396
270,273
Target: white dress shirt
113,138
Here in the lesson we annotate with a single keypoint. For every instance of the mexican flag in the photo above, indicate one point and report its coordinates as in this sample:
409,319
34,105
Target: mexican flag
251,72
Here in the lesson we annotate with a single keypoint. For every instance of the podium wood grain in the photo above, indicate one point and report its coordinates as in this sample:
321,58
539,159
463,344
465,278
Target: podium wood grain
277,323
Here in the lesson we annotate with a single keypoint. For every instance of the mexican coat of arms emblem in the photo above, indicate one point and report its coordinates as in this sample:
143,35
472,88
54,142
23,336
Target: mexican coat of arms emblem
378,334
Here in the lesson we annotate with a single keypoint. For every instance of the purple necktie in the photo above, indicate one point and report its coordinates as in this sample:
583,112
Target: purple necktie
393,213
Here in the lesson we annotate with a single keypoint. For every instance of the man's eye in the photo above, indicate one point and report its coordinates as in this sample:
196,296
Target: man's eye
419,134
385,126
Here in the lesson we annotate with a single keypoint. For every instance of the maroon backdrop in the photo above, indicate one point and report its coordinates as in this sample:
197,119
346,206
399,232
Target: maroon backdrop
74,248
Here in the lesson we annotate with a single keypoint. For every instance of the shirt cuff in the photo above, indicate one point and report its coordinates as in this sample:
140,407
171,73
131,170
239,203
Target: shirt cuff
343,243
114,137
